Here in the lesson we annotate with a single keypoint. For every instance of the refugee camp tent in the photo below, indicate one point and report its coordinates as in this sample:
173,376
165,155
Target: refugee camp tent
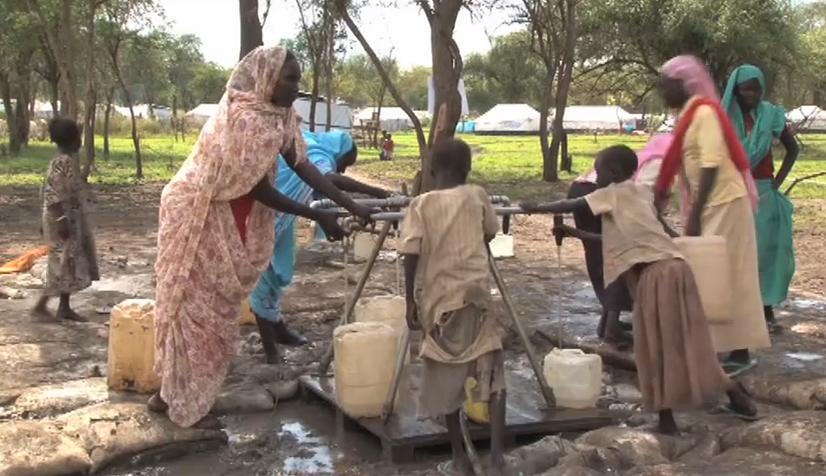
202,112
342,116
508,119
807,119
598,119
392,118
146,111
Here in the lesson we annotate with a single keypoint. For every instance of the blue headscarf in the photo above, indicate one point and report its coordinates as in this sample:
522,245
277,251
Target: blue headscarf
326,151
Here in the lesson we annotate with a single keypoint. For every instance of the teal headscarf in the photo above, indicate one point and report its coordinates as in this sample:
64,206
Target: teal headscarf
769,120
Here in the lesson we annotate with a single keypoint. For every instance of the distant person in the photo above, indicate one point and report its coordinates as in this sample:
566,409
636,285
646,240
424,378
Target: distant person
387,147
447,282
331,153
758,123
718,197
677,367
67,226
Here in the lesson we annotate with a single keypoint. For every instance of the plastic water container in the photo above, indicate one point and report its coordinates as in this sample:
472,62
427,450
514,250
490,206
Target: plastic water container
501,246
574,376
246,317
363,246
365,358
132,347
389,310
708,258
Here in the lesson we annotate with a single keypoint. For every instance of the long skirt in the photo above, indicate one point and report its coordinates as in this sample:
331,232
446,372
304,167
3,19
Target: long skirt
443,384
775,243
677,366
614,297
747,328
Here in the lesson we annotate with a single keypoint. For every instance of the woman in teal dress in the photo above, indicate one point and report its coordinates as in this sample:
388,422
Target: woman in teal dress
331,153
759,123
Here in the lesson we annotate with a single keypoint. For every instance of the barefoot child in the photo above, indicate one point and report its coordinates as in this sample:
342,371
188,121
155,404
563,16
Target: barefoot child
676,363
72,264
448,285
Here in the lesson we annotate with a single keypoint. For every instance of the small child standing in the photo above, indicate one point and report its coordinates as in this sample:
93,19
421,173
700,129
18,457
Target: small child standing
387,147
677,367
72,263
448,282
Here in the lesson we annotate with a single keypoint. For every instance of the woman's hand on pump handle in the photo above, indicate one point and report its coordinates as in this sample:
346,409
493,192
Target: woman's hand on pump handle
329,223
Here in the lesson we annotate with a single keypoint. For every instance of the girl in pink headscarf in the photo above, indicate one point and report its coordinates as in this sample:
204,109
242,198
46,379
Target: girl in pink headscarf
216,230
719,198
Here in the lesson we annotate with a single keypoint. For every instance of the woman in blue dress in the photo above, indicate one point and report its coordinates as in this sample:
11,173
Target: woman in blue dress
331,153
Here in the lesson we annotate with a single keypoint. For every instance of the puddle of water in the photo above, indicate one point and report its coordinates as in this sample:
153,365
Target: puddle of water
804,356
318,457
808,303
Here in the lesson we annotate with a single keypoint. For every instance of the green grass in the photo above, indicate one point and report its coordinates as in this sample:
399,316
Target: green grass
505,165
161,158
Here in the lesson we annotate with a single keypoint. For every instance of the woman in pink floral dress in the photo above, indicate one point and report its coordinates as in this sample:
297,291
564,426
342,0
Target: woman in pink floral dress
215,232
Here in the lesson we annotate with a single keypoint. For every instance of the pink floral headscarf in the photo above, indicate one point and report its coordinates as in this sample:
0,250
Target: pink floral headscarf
204,269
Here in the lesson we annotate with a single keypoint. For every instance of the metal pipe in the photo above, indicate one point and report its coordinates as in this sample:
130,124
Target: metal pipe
547,392
390,399
399,216
399,201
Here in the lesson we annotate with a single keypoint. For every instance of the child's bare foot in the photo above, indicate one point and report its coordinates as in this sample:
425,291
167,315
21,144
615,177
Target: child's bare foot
40,312
667,425
601,326
209,422
740,401
156,403
70,315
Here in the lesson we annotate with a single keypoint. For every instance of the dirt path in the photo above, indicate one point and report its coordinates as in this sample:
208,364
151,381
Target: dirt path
300,437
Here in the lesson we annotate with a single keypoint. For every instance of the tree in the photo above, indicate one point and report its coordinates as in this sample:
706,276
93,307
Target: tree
413,84
17,44
208,83
251,36
553,33
116,36
627,38
505,73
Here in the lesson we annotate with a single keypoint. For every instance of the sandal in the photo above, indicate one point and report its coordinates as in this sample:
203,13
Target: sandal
728,409
733,369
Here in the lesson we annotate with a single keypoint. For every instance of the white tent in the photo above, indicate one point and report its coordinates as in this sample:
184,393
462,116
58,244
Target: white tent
342,116
202,112
808,118
392,118
508,119
598,118
146,111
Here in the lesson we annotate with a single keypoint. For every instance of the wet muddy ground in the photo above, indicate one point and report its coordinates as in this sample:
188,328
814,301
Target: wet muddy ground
300,436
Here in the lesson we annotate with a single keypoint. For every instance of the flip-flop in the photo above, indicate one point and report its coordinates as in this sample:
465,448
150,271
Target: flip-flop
727,409
445,468
733,369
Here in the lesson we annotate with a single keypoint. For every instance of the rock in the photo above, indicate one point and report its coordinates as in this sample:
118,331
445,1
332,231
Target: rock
11,293
262,373
50,400
803,395
39,268
736,462
635,446
283,390
243,398
111,431
705,449
540,456
801,434
628,393
572,471
39,448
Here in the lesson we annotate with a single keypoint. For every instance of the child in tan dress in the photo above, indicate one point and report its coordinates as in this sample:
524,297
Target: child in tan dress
448,284
677,366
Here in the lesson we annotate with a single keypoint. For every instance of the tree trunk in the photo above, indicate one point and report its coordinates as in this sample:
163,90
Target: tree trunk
328,122
106,115
175,117
548,161
447,70
90,100
136,141
251,36
341,6
11,118
314,97
563,85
